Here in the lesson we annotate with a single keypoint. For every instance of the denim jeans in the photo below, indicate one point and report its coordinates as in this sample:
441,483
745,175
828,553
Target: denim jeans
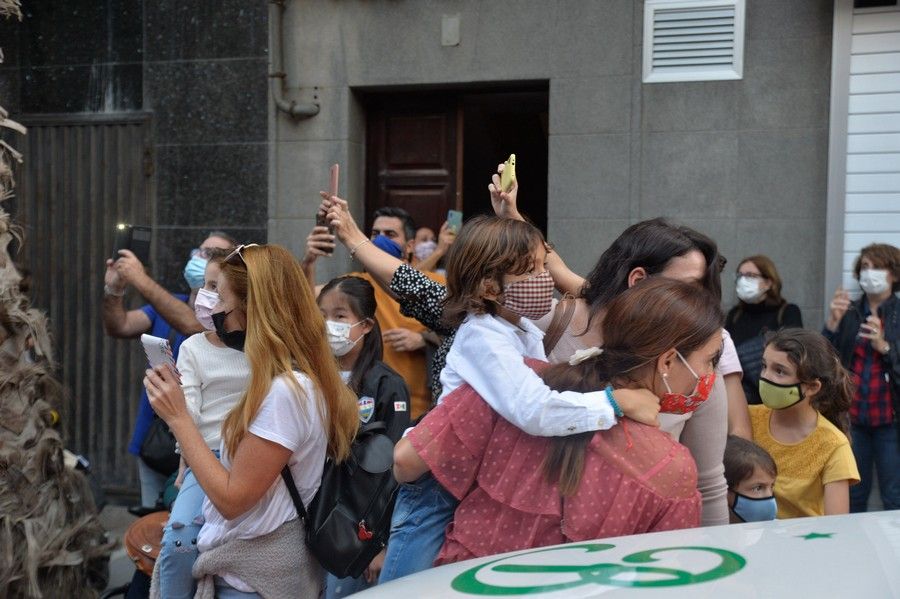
152,484
421,514
876,445
337,588
178,550
226,591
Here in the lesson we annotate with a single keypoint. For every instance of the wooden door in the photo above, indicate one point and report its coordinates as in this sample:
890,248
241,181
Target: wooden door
83,174
414,153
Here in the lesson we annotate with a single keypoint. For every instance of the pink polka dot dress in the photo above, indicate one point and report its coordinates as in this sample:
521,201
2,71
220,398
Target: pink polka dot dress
636,479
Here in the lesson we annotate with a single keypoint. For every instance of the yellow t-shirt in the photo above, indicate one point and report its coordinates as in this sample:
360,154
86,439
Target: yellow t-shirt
805,468
409,365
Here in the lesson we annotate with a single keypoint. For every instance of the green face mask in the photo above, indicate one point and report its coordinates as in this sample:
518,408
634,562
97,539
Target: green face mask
779,397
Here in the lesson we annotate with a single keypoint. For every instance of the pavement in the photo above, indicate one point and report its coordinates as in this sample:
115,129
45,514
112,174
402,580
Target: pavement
116,520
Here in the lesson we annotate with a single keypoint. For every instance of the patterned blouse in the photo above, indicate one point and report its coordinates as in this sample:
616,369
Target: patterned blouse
636,479
423,299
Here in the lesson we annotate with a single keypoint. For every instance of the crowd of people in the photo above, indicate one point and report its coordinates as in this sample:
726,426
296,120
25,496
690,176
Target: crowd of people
631,404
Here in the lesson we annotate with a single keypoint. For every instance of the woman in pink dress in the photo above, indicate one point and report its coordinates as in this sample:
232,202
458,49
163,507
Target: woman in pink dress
517,491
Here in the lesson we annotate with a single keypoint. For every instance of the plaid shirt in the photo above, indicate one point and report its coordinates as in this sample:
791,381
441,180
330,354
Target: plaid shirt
871,404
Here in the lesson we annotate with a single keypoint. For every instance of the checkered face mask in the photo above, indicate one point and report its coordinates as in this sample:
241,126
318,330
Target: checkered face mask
530,298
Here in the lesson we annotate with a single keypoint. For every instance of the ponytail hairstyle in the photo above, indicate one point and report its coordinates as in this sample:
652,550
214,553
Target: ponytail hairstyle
285,332
488,247
641,324
361,298
816,359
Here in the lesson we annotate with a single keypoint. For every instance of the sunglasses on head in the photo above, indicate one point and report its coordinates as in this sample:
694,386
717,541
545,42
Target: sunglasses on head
232,257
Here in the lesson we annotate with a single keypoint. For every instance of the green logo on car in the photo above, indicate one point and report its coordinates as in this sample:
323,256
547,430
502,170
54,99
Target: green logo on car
635,570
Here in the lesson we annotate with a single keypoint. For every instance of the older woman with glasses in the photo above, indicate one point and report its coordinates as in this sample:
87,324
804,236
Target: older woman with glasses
295,411
760,310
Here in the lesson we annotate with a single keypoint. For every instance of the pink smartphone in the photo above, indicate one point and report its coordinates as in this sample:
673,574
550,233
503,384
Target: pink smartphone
332,191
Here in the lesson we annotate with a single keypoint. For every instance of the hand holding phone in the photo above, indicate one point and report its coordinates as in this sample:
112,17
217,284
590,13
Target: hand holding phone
321,220
134,238
159,352
508,176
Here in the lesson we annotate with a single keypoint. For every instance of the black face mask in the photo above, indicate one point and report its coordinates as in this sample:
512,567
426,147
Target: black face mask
232,339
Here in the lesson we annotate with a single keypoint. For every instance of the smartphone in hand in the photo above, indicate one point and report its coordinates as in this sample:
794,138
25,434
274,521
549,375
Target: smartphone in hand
134,238
454,220
158,351
508,176
321,221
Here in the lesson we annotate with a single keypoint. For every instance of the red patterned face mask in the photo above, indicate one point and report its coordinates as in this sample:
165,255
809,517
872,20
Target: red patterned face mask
530,298
679,403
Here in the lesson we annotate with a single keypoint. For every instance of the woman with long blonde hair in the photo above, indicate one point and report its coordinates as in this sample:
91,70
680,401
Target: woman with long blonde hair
295,412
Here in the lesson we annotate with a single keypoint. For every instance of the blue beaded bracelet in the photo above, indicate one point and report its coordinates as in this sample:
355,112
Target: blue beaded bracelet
612,401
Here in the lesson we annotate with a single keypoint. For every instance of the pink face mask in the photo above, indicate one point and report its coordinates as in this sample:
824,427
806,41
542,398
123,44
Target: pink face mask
530,298
679,403
203,307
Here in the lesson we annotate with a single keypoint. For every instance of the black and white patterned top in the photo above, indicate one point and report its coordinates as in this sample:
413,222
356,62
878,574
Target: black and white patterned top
423,299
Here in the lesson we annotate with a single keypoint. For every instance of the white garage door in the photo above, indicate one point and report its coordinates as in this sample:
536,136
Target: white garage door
872,203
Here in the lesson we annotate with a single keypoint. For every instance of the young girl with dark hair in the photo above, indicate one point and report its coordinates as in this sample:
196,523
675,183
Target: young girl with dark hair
803,424
519,491
348,305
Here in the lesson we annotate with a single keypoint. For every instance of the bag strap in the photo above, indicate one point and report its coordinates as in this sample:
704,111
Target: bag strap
562,316
295,494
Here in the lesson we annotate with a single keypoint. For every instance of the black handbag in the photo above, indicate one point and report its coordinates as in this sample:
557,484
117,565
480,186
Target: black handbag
158,448
349,519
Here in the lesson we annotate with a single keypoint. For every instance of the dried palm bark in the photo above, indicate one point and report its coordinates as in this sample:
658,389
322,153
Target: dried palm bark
51,542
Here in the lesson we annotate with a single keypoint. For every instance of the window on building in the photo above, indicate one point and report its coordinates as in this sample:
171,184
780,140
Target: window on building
693,40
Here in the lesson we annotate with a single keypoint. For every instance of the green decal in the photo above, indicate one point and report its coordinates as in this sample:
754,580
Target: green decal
816,535
597,573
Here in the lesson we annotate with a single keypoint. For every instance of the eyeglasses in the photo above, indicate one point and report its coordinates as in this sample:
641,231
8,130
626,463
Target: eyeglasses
237,253
748,275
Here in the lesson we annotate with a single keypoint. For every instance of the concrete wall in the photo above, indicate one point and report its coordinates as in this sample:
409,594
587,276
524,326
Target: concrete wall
744,161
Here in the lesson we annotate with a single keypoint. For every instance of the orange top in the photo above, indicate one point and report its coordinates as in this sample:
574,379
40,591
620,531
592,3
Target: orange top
410,365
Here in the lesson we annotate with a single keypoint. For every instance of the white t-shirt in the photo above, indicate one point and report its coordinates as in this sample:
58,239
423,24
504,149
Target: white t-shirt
293,423
213,380
487,353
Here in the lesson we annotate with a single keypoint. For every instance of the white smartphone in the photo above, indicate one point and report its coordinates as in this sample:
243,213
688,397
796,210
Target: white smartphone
158,351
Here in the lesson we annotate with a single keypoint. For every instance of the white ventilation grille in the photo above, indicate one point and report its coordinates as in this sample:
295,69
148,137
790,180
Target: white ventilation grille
695,40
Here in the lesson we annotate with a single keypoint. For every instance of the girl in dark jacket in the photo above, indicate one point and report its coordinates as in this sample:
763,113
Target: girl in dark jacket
348,305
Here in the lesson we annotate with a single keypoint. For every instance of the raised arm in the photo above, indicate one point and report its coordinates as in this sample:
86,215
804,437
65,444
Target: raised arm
504,204
445,239
377,263
176,312
117,321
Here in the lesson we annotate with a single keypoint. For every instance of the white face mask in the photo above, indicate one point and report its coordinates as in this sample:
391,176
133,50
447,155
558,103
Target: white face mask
338,334
747,290
874,280
203,307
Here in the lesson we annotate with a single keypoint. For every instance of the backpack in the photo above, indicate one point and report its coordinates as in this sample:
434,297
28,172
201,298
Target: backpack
349,520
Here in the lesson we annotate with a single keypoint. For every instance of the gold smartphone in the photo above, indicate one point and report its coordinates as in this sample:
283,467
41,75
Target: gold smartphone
508,176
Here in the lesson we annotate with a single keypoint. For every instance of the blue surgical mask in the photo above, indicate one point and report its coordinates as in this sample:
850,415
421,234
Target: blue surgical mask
388,245
751,509
195,271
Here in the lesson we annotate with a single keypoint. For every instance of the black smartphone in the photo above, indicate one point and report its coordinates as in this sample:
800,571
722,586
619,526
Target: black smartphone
135,238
